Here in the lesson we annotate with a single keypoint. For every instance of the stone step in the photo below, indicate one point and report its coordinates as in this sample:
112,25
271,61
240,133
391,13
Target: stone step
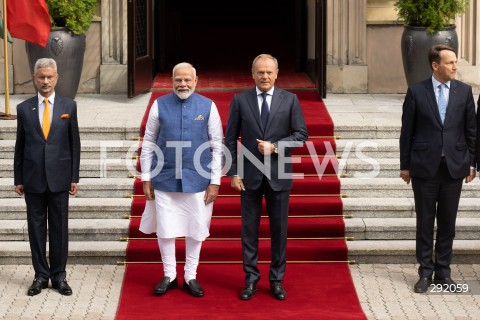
371,148
100,133
366,251
403,251
393,188
116,132
89,168
359,228
117,149
370,167
91,149
119,208
123,168
79,208
78,230
403,228
368,131
88,188
80,252
400,207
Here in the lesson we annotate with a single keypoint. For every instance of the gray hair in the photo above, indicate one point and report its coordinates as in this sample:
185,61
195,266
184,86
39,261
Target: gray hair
45,63
267,56
184,65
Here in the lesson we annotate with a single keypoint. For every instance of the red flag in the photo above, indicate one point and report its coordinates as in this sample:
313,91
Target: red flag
29,20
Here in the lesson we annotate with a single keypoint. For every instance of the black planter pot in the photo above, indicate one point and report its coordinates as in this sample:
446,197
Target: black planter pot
68,50
415,44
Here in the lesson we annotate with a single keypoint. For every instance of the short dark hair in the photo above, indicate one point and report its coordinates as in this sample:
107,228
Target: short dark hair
434,53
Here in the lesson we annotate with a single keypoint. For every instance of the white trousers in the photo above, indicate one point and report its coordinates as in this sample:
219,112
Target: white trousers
192,257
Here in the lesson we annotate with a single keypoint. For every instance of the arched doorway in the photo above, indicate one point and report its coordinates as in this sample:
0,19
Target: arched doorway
220,35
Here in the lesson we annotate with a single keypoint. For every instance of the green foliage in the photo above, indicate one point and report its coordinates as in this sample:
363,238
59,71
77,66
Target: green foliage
433,14
75,15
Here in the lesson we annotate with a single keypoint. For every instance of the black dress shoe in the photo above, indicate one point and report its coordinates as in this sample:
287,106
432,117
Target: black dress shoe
447,281
422,285
194,288
248,292
165,285
62,287
277,290
37,287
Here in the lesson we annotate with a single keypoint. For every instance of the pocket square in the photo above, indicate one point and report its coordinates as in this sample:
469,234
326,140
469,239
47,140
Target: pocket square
199,117
65,116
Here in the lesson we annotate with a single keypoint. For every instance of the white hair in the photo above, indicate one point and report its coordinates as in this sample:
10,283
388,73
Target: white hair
184,65
45,63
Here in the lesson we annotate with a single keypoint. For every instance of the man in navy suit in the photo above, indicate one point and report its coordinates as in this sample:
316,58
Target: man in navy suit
46,170
437,152
270,122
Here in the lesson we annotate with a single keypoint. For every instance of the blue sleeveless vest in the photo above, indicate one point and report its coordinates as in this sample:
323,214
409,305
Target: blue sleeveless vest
183,122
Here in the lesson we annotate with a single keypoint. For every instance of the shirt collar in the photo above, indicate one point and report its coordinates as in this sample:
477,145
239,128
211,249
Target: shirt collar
270,92
41,98
436,83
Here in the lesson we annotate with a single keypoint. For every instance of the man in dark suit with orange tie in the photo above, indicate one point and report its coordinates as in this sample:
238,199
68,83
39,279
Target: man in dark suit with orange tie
437,152
270,122
46,170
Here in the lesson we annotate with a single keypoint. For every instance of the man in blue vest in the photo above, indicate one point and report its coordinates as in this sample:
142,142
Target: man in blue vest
181,170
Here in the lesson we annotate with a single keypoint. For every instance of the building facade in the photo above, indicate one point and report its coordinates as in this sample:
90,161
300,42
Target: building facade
362,47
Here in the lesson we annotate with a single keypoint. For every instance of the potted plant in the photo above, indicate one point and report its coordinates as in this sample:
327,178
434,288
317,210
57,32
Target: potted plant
66,44
427,23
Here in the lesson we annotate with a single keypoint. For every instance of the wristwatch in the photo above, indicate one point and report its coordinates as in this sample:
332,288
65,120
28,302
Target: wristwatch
275,150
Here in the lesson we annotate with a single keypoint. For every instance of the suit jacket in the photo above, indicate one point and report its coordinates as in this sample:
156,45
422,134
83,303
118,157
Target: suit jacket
285,125
54,162
423,136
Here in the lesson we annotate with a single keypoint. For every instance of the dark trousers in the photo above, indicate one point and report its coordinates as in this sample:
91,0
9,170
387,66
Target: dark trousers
52,208
277,208
437,197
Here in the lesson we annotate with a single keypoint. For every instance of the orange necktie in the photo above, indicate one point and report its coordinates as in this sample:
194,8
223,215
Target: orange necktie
46,119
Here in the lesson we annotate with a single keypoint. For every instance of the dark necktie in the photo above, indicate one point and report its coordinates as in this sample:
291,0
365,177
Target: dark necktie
265,112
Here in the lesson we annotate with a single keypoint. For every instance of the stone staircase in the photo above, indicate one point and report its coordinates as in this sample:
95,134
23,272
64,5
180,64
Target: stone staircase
382,205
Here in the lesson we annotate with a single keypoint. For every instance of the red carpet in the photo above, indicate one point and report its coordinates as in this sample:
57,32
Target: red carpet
317,280
234,79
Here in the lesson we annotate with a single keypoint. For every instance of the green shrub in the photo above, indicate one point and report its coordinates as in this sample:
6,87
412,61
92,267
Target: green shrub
433,14
75,15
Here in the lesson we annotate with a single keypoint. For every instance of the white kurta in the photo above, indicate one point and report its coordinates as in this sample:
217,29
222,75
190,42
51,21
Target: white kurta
179,214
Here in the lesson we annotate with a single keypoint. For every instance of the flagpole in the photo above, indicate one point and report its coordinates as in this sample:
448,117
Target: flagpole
6,115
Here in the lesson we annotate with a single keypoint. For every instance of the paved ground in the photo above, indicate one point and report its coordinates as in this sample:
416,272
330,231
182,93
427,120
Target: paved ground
385,291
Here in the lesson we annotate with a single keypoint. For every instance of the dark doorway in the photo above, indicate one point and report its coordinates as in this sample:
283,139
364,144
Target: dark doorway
229,34
222,35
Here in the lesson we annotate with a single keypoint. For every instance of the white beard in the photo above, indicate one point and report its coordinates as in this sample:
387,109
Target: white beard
184,94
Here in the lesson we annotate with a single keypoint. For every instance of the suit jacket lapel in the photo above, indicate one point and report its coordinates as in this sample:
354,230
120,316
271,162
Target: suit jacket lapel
275,105
35,114
432,100
253,103
452,96
57,111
